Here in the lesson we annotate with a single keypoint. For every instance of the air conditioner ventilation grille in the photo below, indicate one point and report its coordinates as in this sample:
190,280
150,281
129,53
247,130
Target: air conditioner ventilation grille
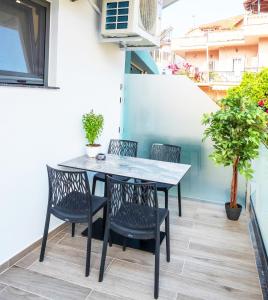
148,14
117,15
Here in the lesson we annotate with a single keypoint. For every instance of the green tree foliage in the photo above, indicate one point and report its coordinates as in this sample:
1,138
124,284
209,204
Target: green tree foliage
93,126
253,86
237,130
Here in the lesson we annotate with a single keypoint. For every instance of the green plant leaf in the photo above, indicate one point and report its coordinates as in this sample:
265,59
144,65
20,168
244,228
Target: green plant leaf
93,126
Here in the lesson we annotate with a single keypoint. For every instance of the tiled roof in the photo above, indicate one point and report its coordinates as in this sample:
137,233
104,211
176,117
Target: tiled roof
252,5
225,24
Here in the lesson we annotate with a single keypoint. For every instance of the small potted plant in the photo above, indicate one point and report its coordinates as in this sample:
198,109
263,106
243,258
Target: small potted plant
236,130
93,126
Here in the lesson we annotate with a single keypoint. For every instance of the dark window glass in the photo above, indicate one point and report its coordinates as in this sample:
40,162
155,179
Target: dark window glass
123,11
111,12
22,41
110,19
110,26
123,4
112,5
121,25
122,19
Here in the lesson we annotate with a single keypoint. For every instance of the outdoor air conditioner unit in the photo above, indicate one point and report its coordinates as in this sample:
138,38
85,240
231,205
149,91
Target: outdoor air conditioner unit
132,23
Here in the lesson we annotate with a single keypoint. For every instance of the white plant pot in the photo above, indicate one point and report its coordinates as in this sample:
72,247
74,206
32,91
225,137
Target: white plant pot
92,151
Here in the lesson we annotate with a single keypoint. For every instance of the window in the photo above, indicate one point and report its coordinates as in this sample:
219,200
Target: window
212,65
237,65
24,41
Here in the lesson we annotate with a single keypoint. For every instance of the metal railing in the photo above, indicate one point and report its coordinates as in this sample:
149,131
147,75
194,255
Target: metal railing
229,76
256,19
208,38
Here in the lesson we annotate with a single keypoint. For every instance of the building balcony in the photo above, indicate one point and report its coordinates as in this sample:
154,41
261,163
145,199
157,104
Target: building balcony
222,80
256,25
210,39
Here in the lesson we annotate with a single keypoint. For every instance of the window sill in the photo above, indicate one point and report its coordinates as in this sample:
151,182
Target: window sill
30,86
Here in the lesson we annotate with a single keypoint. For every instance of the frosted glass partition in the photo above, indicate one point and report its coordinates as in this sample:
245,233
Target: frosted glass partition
259,193
168,109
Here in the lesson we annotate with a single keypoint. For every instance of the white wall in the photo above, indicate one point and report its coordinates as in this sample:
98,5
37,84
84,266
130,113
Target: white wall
40,126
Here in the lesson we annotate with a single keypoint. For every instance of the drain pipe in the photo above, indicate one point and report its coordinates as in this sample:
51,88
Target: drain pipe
94,6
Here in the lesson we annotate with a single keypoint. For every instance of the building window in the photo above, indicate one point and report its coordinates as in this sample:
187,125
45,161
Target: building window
24,27
211,65
237,65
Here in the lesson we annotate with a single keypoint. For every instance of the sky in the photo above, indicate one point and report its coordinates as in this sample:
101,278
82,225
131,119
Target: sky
186,14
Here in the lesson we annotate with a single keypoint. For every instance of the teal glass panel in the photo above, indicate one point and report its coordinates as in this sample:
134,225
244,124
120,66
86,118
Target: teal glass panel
111,12
110,26
110,19
169,109
121,25
122,19
259,192
123,11
111,5
123,4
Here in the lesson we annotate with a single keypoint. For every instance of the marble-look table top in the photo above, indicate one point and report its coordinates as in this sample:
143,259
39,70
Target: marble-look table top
138,168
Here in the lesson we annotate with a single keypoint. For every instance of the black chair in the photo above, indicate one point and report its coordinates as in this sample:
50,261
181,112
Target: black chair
121,148
70,200
132,212
168,153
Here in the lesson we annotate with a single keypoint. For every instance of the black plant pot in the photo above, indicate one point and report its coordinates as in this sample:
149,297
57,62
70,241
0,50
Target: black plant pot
233,213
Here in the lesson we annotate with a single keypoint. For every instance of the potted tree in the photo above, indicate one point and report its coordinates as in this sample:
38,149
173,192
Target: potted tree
236,130
93,126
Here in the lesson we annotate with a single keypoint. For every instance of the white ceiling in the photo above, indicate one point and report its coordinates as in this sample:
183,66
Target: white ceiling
168,2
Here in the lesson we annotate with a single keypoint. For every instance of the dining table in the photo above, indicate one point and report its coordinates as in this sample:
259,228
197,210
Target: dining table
134,168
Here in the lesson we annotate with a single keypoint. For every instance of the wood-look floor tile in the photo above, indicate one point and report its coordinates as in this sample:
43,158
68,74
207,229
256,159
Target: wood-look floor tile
220,251
4,267
147,259
183,297
29,259
211,259
80,243
180,284
75,256
130,255
112,284
242,280
43,285
199,235
11,293
96,295
33,256
132,289
66,271
223,229
2,286
57,237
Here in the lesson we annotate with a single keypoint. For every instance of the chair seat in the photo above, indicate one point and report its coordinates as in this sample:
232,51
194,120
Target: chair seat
141,220
102,176
78,211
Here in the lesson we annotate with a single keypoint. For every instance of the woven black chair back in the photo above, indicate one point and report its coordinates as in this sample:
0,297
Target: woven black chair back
168,153
132,205
69,191
123,148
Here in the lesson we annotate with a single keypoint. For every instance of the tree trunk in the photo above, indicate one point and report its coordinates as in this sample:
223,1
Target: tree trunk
233,200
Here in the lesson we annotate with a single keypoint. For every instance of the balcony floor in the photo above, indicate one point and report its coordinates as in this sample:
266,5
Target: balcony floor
211,258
